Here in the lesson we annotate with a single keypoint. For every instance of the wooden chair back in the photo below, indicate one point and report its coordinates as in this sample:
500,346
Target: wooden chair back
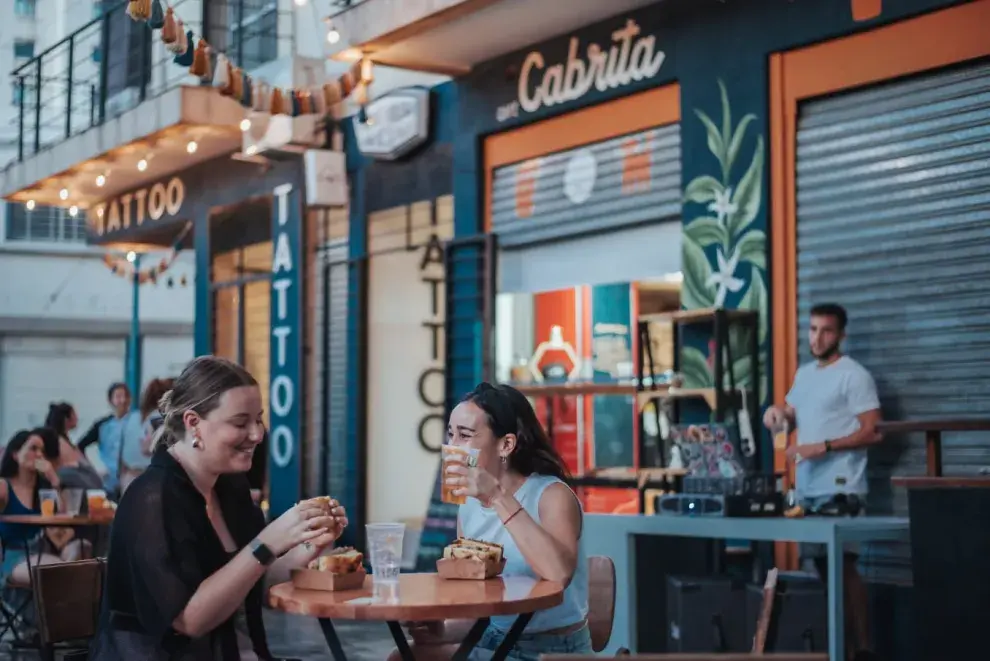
67,597
601,600
698,657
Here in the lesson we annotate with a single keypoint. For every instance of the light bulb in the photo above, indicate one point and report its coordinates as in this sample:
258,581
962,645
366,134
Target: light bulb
251,151
64,194
131,256
101,180
30,205
99,212
300,3
73,211
245,124
142,165
333,36
191,147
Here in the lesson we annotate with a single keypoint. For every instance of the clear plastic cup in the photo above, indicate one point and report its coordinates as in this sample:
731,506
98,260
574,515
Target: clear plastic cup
96,499
780,433
451,455
48,498
385,549
73,500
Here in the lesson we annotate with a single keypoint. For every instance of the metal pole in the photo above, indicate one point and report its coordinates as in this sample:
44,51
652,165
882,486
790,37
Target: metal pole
69,86
133,356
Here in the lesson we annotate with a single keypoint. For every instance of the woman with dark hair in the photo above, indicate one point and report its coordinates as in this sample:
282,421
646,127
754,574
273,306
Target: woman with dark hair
73,469
519,499
189,549
24,471
62,419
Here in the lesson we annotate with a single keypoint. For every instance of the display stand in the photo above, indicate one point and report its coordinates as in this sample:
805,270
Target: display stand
725,396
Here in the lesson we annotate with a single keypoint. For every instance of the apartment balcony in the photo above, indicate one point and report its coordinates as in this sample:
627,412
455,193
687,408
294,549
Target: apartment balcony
106,109
451,36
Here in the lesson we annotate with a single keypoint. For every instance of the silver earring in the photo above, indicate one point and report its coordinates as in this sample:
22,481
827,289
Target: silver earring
504,459
197,441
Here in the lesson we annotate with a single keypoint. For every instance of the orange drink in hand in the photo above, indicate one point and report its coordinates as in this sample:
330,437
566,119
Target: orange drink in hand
454,455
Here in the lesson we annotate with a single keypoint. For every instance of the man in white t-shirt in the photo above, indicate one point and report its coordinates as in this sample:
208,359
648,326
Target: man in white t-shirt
833,404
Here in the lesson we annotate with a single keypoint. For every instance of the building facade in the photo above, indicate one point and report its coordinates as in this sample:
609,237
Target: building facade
65,317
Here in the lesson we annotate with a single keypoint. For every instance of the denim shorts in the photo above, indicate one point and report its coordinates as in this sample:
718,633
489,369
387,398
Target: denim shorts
531,646
818,552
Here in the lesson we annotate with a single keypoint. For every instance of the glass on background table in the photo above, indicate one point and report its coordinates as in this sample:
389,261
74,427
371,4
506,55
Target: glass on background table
423,598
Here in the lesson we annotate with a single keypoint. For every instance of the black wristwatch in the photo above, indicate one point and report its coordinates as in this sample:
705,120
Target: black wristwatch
262,553
828,446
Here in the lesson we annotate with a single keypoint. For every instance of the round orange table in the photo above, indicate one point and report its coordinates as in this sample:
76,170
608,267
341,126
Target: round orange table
424,598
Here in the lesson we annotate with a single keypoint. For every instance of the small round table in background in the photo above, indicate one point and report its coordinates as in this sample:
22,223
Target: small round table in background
424,598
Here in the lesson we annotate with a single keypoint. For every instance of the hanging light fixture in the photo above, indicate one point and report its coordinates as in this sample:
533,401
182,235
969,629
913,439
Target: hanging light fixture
101,180
30,205
192,146
245,124
63,194
73,211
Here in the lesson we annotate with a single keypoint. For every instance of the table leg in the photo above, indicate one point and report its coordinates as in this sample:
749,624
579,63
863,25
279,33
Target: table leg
836,605
333,641
401,644
933,447
471,640
512,637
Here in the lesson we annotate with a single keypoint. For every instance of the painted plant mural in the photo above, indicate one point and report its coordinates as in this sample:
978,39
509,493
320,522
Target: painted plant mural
724,258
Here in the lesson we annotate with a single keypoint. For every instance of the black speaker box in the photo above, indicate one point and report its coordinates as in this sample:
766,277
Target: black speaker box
800,615
705,615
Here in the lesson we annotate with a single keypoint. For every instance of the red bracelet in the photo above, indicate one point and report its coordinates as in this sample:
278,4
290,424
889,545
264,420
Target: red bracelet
509,518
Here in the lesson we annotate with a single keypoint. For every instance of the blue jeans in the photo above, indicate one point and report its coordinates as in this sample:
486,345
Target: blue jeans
531,646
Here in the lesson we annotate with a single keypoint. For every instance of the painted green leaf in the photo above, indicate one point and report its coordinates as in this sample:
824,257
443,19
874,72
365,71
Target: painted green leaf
735,143
755,298
707,231
694,367
703,189
748,194
695,293
726,129
715,143
752,248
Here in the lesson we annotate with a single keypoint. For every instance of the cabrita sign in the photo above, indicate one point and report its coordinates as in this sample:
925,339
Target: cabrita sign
630,57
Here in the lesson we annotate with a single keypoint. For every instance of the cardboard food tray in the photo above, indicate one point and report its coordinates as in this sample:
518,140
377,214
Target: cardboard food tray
314,579
470,569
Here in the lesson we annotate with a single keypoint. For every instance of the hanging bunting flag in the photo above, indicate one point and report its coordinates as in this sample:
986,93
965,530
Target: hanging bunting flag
139,10
187,57
170,30
247,85
119,265
157,19
230,80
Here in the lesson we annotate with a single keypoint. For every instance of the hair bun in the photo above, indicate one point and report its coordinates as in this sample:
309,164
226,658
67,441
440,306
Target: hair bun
165,403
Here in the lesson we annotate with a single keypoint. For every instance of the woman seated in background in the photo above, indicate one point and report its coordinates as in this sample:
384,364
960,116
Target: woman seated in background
24,471
62,419
188,549
518,498
135,455
73,469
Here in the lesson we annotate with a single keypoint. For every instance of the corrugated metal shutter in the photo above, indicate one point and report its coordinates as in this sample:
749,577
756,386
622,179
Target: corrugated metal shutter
620,182
330,351
893,222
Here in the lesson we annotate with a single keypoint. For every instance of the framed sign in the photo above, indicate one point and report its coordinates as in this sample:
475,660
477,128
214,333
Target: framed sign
395,124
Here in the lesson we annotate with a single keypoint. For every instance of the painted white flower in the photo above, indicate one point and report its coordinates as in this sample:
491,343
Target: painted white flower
725,278
723,206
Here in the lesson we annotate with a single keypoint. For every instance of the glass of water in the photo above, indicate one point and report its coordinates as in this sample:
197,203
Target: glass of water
385,549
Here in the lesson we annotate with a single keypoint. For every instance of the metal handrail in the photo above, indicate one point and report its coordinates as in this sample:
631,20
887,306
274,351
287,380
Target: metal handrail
131,67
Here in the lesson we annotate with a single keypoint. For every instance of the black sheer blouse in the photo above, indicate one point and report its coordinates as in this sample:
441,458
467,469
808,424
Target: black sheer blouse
162,547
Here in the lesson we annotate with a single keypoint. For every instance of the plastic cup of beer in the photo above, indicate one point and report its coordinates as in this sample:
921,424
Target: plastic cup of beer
49,501
453,455
96,499
780,433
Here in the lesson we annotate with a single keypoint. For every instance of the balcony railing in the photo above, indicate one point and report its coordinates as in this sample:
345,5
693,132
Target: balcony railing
112,64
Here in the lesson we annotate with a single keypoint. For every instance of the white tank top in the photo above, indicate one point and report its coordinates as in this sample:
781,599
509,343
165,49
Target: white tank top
482,523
